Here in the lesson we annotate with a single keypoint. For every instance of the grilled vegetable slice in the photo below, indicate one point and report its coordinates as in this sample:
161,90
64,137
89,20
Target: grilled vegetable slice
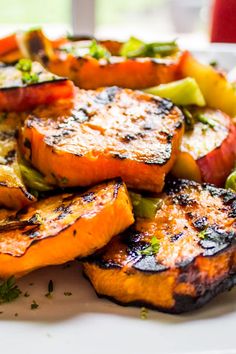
136,73
28,84
208,151
181,92
60,228
110,132
177,261
13,193
217,91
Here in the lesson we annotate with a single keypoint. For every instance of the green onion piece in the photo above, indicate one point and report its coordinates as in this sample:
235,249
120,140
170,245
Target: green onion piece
231,181
33,179
188,118
134,48
97,51
182,92
24,65
132,45
152,249
145,207
29,78
205,120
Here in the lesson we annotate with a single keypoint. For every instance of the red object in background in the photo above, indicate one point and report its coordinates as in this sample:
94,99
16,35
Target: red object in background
223,28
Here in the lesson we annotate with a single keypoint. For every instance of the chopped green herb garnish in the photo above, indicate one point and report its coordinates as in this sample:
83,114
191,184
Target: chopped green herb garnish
34,305
50,289
136,48
145,207
152,249
143,313
213,63
67,293
9,291
24,65
189,120
97,51
26,294
30,78
202,234
205,120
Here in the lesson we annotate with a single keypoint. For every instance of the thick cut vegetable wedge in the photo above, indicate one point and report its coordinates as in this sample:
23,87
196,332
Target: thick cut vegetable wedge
177,261
61,228
24,87
136,73
13,193
208,151
110,132
217,91
181,92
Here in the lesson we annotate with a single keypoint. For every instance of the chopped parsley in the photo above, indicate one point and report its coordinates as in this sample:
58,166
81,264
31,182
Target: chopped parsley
97,51
152,249
50,289
67,293
143,313
30,78
9,291
202,234
205,120
134,48
34,305
24,65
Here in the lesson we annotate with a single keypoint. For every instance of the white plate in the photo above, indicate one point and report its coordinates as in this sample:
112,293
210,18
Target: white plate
83,324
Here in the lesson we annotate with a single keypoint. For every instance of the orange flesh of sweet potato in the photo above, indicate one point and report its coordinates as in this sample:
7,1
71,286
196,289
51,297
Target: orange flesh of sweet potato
15,95
109,133
138,73
195,259
61,228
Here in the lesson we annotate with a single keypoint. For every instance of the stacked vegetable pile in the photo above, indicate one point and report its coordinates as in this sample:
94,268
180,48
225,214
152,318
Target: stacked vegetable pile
82,121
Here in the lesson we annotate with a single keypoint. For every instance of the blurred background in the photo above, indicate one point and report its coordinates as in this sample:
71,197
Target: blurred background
190,20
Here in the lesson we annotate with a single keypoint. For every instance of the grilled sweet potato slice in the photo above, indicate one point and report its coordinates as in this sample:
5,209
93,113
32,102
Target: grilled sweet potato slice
60,228
22,90
177,261
208,151
136,73
13,193
110,132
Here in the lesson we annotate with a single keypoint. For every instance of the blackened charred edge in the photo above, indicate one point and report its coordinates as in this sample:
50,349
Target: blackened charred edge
10,156
119,156
183,303
200,223
54,81
29,196
160,159
118,184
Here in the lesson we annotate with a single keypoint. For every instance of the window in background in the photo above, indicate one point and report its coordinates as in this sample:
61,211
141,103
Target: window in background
151,19
53,15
